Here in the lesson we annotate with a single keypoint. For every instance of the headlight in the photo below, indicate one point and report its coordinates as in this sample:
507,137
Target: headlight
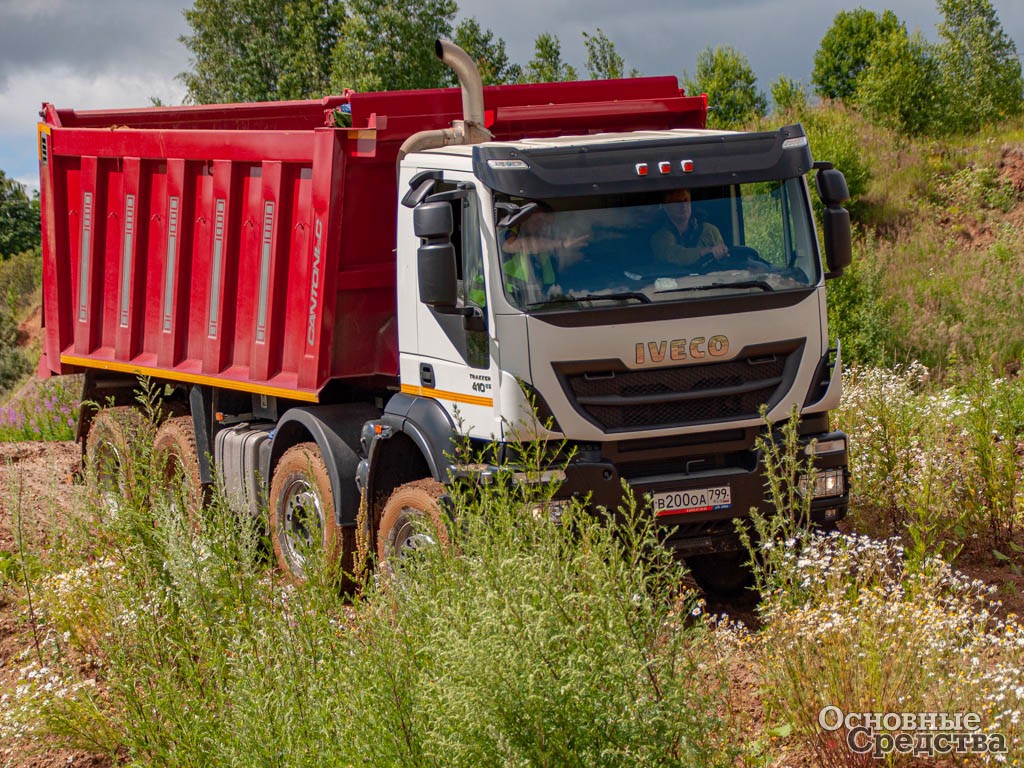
828,482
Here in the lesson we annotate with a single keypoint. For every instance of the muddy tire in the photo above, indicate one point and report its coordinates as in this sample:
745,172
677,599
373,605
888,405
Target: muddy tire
412,519
109,457
302,520
176,463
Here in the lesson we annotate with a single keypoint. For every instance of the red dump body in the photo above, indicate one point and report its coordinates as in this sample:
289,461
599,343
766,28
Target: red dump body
252,246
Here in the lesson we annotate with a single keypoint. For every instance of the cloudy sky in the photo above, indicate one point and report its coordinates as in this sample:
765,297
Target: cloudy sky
114,53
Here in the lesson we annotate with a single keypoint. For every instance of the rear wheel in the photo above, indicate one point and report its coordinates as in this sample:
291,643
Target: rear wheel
303,526
176,461
412,520
109,454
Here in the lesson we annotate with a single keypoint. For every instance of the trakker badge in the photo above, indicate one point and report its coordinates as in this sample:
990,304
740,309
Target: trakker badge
696,348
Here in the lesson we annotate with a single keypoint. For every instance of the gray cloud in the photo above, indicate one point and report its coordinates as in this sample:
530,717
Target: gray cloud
665,36
124,36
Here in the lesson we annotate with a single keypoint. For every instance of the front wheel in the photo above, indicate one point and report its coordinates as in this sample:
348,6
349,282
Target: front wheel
412,520
303,527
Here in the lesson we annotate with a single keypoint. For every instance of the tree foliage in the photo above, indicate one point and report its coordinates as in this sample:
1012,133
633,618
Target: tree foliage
789,95
260,50
902,86
603,61
547,66
488,52
19,218
846,48
389,45
725,75
980,67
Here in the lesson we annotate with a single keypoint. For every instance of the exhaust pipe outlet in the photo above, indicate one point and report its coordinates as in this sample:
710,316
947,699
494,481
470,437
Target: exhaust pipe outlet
469,80
470,129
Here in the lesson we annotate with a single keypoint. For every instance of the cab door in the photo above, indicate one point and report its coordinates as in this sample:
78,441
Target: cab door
455,357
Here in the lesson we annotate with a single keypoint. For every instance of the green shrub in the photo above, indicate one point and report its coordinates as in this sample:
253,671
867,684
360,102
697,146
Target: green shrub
20,278
859,311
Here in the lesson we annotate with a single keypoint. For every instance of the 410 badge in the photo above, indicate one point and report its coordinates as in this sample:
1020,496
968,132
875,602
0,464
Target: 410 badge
692,500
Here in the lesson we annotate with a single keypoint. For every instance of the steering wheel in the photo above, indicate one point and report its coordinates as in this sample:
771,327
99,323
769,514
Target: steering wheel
739,257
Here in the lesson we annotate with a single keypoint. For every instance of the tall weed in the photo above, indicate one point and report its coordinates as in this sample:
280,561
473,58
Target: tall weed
850,626
530,640
937,464
50,412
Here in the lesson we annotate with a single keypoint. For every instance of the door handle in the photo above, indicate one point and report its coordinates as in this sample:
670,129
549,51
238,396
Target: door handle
426,375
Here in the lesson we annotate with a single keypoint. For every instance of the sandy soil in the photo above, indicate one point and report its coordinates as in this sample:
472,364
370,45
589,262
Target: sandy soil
36,488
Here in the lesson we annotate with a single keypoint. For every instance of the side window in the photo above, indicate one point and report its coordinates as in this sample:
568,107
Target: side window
766,221
469,267
472,289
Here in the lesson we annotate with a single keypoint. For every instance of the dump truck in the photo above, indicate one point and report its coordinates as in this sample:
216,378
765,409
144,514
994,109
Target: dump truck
332,295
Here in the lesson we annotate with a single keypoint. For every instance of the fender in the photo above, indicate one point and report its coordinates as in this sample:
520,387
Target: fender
427,425
335,430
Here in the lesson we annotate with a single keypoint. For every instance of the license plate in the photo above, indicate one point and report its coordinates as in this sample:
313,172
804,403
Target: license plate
693,500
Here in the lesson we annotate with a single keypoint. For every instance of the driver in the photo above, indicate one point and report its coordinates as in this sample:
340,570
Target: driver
684,239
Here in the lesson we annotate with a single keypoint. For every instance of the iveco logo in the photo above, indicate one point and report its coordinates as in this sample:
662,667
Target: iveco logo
696,348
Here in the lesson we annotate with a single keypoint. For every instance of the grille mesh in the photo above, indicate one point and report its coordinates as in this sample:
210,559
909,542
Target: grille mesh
689,394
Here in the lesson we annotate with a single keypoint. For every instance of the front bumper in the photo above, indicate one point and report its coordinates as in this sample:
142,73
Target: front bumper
705,532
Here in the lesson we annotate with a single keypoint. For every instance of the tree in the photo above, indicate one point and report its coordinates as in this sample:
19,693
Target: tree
19,218
845,49
388,45
603,61
547,66
488,52
725,75
789,95
901,85
260,50
980,67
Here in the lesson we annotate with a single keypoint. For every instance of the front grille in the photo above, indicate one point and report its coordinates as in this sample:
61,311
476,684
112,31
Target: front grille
617,399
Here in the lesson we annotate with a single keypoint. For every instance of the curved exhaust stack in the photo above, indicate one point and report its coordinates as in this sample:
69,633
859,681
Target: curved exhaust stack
470,129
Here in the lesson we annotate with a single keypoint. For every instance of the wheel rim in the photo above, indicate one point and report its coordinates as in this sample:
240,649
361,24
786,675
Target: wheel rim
409,535
110,479
302,516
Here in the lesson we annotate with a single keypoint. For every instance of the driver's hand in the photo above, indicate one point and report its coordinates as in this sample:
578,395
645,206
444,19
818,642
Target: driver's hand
576,242
719,251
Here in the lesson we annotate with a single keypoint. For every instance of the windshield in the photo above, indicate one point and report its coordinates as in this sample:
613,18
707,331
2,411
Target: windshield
681,245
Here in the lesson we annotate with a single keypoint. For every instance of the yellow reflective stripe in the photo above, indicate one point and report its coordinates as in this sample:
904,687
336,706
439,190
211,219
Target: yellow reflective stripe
440,394
191,378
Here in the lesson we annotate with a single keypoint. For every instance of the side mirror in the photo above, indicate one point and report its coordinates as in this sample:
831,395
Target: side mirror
436,269
433,220
838,243
832,187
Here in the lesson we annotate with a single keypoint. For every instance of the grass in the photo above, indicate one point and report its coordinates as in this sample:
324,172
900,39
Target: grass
848,623
51,414
527,642
937,463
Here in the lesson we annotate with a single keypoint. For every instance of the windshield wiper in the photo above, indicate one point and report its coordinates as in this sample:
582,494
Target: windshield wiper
643,298
741,284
